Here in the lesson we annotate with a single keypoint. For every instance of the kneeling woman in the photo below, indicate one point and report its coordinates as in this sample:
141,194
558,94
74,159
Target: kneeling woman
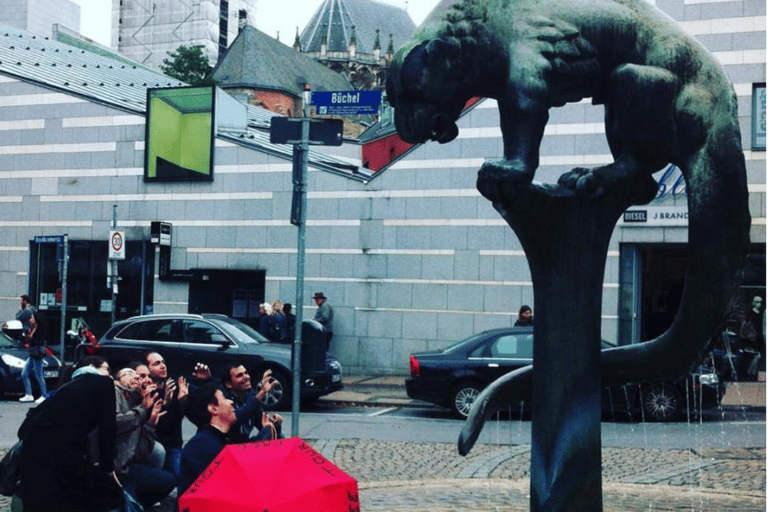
56,474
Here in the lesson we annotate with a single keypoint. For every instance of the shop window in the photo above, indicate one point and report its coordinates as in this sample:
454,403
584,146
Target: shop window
758,117
88,296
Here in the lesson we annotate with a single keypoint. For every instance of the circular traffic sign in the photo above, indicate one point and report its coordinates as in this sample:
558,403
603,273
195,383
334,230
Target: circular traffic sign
117,241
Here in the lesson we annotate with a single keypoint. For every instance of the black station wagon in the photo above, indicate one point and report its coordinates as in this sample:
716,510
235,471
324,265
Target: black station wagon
215,340
454,376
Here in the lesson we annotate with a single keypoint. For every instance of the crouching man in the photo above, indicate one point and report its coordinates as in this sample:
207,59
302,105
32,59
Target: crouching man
236,386
138,411
214,414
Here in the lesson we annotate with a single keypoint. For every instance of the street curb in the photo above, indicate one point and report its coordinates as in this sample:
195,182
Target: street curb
396,402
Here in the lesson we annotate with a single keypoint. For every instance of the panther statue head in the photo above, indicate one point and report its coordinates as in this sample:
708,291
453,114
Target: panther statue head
426,100
432,77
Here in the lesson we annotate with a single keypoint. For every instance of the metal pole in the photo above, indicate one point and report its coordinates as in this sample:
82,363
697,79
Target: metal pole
300,152
113,268
64,263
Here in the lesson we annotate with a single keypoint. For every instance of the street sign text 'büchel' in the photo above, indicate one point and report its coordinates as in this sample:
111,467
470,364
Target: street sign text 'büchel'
346,103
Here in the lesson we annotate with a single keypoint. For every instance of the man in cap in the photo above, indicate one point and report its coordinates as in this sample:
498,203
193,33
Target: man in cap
324,315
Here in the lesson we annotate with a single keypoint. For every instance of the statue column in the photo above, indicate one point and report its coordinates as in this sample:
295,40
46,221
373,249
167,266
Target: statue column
566,240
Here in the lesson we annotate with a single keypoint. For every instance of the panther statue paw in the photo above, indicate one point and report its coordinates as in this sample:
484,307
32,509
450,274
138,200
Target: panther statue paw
502,179
580,180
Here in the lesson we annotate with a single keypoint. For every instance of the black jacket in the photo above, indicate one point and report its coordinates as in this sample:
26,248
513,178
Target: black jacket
55,471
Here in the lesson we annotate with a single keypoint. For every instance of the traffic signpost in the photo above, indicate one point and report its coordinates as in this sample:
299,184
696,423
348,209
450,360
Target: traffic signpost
117,245
116,252
346,103
301,132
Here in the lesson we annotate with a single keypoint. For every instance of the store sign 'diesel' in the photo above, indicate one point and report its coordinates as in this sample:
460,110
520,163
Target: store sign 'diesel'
671,185
642,216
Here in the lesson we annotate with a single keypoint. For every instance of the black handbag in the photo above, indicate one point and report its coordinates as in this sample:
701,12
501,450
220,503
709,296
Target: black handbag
37,351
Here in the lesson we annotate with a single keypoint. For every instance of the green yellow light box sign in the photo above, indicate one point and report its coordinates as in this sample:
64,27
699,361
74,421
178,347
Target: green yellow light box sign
180,134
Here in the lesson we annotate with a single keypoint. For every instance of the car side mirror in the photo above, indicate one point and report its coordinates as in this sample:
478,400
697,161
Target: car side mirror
220,339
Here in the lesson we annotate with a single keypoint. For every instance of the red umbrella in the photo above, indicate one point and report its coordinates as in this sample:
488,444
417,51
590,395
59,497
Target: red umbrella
285,475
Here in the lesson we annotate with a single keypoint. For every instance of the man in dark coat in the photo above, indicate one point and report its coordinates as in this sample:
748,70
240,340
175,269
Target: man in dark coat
56,475
324,315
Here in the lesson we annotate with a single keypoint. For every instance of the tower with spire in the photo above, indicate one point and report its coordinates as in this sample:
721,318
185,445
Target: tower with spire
344,35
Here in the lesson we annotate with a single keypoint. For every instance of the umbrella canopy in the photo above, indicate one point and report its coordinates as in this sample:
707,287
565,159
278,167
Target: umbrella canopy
285,475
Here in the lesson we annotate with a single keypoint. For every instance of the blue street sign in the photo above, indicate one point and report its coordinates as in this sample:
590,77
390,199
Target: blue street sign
50,239
346,103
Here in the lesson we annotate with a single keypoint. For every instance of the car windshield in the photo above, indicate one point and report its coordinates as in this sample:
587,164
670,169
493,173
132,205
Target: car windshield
459,344
6,342
241,332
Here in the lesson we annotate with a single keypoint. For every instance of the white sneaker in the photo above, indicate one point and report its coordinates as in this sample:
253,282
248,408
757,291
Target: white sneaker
26,398
40,400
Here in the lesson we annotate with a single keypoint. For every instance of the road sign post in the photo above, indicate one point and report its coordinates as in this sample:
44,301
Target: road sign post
302,132
299,211
116,252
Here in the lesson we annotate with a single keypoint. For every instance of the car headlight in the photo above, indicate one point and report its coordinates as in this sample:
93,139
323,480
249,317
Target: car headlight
707,379
13,361
335,365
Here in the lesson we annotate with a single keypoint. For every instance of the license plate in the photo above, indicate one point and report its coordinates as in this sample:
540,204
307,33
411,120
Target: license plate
51,374
335,378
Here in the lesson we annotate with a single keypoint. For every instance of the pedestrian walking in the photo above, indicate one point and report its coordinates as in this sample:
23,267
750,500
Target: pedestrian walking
33,337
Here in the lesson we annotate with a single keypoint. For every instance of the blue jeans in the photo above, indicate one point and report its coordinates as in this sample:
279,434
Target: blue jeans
37,367
148,485
173,461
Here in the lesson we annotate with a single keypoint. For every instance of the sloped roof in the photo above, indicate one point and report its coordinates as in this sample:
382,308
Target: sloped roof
123,85
335,18
78,71
255,59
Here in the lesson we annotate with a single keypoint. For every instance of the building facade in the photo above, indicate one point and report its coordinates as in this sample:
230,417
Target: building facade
410,256
38,16
147,31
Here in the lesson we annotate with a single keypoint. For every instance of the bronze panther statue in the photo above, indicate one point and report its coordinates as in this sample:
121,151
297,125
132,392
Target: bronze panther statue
667,100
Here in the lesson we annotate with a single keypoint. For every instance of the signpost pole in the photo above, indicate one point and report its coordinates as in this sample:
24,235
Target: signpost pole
300,161
113,267
64,264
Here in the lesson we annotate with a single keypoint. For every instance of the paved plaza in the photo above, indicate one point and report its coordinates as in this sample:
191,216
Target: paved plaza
421,476
396,476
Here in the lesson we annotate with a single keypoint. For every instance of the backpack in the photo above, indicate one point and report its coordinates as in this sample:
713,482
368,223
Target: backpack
10,465
10,470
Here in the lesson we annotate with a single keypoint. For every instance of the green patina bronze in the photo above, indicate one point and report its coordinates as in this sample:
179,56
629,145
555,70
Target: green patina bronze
667,100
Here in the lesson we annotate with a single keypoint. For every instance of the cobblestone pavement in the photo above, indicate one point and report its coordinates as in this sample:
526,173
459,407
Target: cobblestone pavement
396,476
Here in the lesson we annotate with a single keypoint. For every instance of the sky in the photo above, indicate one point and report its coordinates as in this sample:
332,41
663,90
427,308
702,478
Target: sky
96,16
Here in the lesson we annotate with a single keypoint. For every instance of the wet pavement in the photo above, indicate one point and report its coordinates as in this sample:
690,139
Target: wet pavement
396,476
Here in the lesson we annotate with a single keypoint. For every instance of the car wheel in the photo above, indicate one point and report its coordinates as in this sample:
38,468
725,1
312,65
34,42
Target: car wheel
463,396
279,397
661,402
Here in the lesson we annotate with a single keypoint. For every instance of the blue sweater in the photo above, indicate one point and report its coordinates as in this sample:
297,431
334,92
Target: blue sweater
198,453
